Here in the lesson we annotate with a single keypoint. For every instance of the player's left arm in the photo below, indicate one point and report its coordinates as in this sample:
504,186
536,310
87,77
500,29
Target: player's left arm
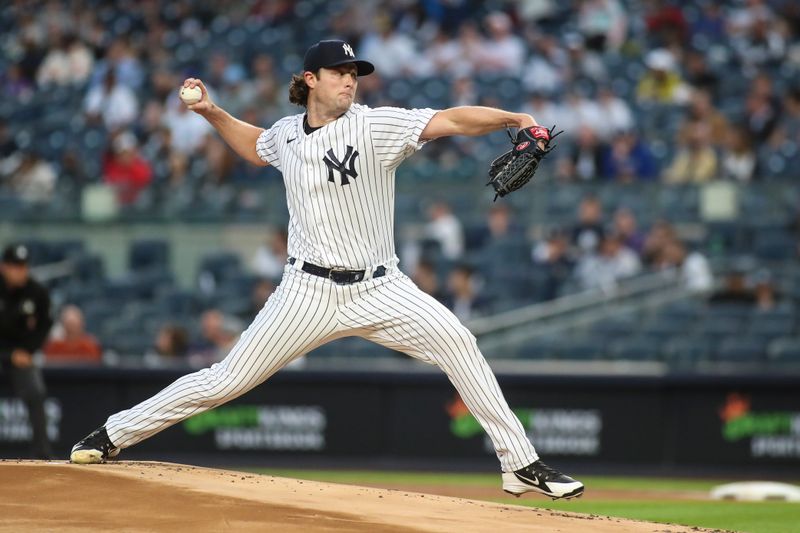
472,121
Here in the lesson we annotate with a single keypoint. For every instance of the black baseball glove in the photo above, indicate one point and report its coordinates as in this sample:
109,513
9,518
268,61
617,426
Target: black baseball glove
515,168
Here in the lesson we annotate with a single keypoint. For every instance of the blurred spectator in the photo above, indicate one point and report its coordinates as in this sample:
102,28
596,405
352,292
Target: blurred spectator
612,262
583,64
69,341
170,347
762,43
584,160
766,297
696,161
469,44
661,84
553,256
701,109
603,23
34,180
111,103
442,57
503,52
617,112
626,228
589,231
188,130
709,25
393,53
120,58
125,169
734,289
789,121
14,85
426,278
762,108
665,23
656,240
699,75
445,228
218,335
693,266
271,256
464,297
774,158
738,157
10,156
68,63
500,227
545,111
578,111
260,293
544,71
464,92
628,159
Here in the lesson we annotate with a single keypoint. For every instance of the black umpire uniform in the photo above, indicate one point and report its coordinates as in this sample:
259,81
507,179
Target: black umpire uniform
24,324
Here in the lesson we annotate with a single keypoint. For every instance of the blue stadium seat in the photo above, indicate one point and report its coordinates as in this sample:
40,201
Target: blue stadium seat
741,349
581,349
635,349
686,351
146,254
785,350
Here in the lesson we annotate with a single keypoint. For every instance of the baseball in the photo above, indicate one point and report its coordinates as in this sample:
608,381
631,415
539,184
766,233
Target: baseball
191,95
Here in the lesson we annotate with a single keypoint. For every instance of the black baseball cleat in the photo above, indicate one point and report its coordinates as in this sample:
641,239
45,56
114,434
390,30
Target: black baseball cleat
538,477
95,448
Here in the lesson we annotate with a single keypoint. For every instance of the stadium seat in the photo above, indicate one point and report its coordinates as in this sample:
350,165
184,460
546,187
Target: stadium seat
635,349
686,351
147,254
586,349
741,349
785,350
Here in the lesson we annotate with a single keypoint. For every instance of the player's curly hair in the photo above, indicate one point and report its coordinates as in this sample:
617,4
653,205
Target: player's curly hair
298,90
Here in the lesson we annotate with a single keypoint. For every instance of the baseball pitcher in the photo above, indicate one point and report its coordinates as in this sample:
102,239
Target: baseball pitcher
338,161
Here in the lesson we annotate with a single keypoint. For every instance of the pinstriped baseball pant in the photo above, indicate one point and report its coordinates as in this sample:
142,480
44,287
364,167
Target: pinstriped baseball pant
307,311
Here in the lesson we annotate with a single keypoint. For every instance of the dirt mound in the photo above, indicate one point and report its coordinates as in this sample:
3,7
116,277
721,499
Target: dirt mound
145,496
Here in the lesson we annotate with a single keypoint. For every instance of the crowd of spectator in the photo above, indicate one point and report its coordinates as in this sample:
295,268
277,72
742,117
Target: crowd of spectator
658,91
705,102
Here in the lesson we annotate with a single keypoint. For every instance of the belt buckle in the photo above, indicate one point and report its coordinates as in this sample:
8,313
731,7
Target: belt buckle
347,276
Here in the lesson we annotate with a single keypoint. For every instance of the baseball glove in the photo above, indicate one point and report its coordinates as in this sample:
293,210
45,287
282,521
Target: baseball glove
515,168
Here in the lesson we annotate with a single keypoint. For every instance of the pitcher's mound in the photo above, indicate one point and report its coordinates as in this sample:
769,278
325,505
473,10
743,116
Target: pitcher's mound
142,496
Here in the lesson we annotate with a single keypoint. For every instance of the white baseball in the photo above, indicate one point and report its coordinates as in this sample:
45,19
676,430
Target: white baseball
191,95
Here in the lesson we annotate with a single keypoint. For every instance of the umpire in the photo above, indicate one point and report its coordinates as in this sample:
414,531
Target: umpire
24,323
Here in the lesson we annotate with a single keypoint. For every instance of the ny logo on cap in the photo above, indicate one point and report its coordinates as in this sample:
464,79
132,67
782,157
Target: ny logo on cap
348,50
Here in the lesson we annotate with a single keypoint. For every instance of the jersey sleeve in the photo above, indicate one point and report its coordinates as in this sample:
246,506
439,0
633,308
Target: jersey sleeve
396,132
267,144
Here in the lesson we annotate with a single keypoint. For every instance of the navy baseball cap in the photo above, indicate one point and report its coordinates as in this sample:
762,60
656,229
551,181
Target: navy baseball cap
326,54
16,254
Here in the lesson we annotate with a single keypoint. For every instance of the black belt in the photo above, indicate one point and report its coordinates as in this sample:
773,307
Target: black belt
340,276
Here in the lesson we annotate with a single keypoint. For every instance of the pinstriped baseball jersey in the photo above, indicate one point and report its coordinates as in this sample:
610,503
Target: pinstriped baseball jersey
340,182
340,192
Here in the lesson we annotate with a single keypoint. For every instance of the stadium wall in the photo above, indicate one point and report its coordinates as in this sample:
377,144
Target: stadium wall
655,421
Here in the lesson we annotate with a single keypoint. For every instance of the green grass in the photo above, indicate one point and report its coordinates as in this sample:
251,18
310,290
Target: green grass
750,517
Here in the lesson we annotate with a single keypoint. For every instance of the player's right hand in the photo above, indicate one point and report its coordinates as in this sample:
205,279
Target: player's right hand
205,104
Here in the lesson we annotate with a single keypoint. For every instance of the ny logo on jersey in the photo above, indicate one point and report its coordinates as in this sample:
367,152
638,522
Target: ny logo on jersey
345,167
348,50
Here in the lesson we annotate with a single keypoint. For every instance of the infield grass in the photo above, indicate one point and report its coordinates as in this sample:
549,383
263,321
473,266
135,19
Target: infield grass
750,517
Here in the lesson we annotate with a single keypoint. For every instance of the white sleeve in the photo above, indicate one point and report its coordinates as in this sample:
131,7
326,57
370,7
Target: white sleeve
267,145
396,132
